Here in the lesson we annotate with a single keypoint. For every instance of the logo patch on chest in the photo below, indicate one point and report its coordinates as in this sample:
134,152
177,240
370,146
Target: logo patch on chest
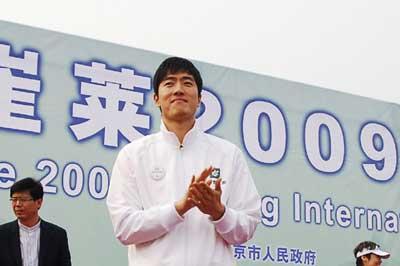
158,173
216,173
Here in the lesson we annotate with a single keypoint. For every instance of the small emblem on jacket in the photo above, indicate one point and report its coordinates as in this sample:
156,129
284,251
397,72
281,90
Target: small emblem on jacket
216,173
157,173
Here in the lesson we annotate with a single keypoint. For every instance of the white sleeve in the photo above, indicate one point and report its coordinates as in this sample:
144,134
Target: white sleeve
132,224
242,210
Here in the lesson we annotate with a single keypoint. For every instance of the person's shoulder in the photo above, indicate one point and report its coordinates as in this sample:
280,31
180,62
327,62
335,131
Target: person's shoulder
221,144
51,227
7,226
141,143
215,140
7,229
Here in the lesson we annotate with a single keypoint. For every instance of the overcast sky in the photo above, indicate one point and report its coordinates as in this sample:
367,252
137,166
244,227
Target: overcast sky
351,46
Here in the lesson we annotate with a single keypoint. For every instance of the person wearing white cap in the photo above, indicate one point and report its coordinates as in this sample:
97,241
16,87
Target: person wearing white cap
368,253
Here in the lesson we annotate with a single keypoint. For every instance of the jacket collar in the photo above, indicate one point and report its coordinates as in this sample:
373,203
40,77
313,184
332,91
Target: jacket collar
171,138
15,243
45,242
29,229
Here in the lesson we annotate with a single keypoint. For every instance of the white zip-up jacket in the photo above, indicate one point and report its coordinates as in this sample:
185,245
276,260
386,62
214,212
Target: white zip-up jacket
152,173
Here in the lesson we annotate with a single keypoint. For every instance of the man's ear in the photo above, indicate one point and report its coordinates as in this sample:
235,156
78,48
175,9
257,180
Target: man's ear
39,203
364,258
199,101
155,99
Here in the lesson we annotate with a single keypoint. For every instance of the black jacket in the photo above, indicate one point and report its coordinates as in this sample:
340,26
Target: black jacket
53,250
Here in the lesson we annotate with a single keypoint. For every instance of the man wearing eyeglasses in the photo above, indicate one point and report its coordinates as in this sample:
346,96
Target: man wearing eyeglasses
368,253
31,241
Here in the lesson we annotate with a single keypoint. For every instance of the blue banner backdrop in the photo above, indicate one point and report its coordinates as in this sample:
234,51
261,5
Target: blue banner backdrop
324,162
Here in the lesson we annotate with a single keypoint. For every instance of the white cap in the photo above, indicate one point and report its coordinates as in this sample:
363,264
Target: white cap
377,251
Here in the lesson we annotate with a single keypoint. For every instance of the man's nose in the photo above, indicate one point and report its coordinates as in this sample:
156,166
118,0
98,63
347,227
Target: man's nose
178,88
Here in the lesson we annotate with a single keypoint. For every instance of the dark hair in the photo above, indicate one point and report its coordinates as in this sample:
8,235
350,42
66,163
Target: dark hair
173,65
366,244
34,188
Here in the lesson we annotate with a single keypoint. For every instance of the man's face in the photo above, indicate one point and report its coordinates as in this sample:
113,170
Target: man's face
24,207
373,260
178,97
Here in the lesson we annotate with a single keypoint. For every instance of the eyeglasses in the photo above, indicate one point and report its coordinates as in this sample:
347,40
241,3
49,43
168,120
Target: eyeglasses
22,200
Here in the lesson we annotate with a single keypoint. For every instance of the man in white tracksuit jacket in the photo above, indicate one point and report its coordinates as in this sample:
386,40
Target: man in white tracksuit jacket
181,197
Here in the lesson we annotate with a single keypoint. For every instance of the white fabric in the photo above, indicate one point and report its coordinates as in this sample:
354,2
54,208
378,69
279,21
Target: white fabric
377,251
152,173
30,244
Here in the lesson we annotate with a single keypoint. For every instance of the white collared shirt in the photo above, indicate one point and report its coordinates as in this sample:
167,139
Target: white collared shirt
29,238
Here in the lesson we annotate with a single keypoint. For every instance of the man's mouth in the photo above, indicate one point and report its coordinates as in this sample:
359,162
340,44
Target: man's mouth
178,100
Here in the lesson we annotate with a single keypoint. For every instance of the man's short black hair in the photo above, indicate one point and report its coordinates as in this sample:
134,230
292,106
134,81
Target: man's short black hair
34,188
173,65
361,246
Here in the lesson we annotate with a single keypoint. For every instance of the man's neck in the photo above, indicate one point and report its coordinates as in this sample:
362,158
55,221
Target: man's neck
30,222
180,128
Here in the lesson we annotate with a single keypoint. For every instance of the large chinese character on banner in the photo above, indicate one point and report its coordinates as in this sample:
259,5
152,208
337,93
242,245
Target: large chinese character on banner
19,87
110,104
